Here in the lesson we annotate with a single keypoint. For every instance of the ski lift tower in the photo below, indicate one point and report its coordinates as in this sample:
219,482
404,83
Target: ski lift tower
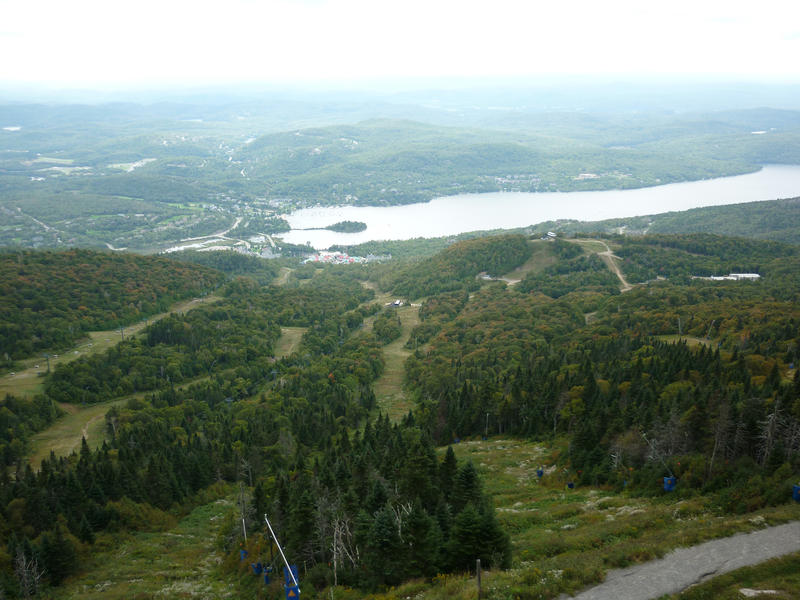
291,586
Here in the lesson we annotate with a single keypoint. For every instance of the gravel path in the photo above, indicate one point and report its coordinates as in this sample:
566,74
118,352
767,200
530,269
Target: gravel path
686,566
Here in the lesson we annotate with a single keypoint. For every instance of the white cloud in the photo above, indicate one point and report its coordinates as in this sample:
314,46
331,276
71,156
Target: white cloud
280,40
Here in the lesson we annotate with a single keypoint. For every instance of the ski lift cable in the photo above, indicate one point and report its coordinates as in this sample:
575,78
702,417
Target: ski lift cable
283,556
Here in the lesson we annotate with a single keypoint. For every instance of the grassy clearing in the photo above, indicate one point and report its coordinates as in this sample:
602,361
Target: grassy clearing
590,246
178,563
690,341
283,276
289,341
79,421
565,540
27,379
778,578
540,259
64,436
389,386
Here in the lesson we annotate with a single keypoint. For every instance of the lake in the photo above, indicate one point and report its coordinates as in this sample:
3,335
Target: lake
451,215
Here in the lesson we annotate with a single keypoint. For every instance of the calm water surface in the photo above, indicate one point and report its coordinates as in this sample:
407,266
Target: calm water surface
504,210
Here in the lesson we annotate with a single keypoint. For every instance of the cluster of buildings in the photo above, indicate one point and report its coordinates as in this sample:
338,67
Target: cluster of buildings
732,277
342,258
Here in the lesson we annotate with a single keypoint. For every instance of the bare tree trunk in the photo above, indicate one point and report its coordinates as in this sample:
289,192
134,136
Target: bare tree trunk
769,431
721,428
28,574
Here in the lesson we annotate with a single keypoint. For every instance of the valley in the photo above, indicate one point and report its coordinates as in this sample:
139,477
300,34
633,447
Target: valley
535,365
513,378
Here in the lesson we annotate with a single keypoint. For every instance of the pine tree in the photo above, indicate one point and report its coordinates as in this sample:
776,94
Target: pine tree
497,544
466,488
423,539
447,472
85,533
260,501
385,557
466,540
58,554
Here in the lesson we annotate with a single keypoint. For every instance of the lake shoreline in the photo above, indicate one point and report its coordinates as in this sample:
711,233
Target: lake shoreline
462,213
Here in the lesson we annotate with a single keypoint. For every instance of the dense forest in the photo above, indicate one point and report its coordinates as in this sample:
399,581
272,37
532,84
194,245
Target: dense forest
679,375
724,401
48,300
219,404
348,226
456,267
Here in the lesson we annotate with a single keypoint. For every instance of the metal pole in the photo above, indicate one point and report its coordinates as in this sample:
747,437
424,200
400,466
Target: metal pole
478,576
283,556
241,508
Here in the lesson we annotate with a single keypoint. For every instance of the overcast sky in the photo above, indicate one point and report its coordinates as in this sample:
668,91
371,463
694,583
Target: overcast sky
82,42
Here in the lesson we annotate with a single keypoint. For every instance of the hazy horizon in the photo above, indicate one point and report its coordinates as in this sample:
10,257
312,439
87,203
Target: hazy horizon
355,44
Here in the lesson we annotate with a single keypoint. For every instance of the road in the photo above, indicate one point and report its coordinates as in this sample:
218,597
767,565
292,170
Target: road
686,566
221,234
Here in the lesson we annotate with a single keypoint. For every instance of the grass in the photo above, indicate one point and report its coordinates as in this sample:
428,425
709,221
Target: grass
79,421
590,246
690,341
540,259
388,388
283,277
178,563
564,540
27,379
64,436
781,576
289,341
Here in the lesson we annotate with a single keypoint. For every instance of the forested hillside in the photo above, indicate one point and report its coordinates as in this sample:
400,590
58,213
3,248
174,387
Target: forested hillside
50,299
636,397
456,267
678,376
231,263
340,483
777,220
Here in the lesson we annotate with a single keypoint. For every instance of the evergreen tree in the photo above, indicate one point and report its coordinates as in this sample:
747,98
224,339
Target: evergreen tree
58,554
85,533
384,549
466,488
466,540
447,472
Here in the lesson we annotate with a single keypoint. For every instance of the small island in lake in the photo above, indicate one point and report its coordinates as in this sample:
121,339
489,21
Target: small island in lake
347,226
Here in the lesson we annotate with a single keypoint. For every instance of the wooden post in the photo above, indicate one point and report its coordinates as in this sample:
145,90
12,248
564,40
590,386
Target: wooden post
478,576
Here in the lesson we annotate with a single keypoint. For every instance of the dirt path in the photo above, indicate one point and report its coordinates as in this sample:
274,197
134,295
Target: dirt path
611,261
283,277
687,566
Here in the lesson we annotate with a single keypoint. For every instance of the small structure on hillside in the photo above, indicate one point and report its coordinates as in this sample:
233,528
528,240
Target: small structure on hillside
732,277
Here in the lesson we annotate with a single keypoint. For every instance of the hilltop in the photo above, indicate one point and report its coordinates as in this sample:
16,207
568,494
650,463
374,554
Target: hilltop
607,363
